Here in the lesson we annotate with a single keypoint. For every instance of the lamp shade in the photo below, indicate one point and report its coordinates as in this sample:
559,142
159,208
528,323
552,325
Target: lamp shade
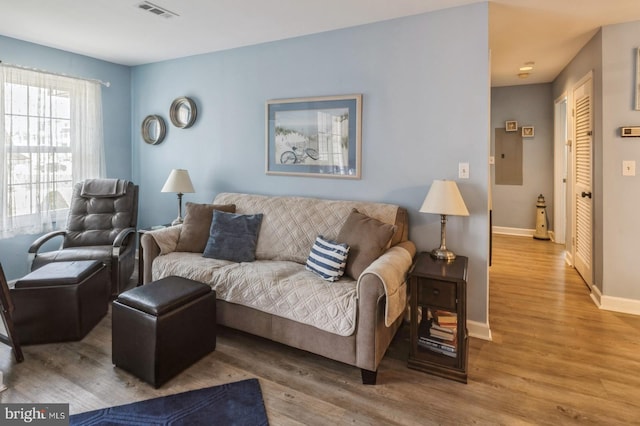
178,181
444,198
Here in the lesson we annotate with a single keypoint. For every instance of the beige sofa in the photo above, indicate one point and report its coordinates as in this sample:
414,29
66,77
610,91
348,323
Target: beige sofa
352,320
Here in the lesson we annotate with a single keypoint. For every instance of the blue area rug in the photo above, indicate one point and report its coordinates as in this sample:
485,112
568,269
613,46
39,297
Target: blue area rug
238,403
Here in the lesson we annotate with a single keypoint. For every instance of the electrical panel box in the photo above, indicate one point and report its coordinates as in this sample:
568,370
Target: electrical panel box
630,132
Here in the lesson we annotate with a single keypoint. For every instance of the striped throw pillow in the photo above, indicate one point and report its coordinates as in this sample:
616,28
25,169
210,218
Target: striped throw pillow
328,258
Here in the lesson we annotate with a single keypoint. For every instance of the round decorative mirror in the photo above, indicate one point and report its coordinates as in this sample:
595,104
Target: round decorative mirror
183,112
153,129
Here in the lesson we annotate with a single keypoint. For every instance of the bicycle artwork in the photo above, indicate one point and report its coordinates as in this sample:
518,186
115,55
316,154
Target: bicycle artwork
318,136
297,155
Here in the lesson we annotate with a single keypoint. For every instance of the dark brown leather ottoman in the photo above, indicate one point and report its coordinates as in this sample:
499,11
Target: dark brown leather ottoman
61,301
163,327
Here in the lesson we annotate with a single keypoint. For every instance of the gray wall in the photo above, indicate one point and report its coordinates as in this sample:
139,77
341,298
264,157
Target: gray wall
423,113
116,105
514,206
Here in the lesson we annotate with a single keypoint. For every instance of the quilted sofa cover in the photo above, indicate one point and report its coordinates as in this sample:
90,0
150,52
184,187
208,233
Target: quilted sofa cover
277,284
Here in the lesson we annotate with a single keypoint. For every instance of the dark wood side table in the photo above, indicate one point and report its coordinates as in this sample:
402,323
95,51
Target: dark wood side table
439,339
141,232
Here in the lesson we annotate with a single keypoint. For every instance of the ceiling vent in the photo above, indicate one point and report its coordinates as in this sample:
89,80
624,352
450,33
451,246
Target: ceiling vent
156,10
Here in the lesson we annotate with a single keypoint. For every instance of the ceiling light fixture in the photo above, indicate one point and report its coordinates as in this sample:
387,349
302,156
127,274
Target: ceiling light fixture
528,66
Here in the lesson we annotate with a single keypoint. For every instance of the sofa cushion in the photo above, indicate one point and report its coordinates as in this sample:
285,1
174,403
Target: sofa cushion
282,288
367,238
327,259
194,233
233,236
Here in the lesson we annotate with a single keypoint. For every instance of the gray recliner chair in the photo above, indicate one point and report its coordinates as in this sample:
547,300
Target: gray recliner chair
101,225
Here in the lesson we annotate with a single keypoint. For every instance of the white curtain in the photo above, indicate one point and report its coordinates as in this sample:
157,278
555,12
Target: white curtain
50,138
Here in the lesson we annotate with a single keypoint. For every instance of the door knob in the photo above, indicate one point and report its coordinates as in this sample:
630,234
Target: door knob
586,194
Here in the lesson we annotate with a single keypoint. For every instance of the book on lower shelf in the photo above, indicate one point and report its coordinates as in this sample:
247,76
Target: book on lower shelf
440,348
446,318
436,336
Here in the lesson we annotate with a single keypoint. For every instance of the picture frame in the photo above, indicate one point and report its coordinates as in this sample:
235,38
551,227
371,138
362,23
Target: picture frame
315,136
637,82
528,131
510,126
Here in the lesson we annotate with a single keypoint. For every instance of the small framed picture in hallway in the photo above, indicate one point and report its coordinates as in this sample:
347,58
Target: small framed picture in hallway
527,131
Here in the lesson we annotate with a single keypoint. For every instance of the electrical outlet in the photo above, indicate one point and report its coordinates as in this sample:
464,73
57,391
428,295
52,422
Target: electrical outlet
463,170
492,159
629,168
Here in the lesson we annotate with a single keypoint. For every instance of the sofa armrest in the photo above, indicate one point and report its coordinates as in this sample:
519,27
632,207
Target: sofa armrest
386,276
156,243
373,334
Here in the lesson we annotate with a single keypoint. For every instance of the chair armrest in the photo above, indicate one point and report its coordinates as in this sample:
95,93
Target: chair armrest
120,239
35,246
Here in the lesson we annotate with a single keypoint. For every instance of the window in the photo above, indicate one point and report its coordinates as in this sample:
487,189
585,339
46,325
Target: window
51,130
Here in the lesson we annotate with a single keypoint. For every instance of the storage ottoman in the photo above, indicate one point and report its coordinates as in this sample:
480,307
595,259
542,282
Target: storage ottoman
163,327
60,301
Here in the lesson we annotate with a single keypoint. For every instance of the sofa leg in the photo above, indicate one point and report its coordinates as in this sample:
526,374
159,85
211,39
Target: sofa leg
368,376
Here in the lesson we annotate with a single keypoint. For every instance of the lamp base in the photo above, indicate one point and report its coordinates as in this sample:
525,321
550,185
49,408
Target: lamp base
177,221
443,254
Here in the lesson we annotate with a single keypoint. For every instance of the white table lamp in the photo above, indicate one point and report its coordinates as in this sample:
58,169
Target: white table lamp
180,182
444,199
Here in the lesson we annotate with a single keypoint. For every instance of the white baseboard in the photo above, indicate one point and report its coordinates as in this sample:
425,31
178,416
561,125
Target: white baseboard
504,230
614,304
479,330
568,258
519,232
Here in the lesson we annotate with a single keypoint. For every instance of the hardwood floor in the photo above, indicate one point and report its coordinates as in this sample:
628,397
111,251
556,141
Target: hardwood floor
555,358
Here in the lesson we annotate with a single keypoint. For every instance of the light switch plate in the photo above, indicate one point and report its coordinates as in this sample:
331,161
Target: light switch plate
629,168
463,170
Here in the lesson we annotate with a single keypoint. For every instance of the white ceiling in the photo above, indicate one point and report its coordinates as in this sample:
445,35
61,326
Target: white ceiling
548,32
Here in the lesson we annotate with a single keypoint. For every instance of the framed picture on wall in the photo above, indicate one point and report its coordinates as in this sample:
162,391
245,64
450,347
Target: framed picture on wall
637,85
527,131
511,126
319,137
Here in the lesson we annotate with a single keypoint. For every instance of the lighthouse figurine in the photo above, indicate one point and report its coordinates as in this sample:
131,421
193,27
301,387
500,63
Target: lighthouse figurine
541,220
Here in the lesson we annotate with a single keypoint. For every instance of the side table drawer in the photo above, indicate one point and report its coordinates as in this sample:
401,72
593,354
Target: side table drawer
437,293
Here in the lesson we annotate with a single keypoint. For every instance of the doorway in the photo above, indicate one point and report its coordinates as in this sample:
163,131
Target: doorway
582,103
560,167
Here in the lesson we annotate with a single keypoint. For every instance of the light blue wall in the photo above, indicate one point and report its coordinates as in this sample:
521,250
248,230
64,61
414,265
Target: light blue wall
423,112
620,194
589,59
116,104
514,206
611,57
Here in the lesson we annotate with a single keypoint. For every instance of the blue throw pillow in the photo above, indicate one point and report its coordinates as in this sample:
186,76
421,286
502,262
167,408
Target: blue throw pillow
233,236
328,258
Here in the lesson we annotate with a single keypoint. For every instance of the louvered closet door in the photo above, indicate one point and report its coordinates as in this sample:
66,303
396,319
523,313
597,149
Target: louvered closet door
583,179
